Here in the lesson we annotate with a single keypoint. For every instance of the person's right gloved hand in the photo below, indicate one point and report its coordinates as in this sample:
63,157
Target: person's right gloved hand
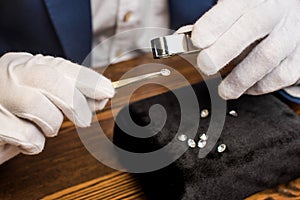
35,93
231,26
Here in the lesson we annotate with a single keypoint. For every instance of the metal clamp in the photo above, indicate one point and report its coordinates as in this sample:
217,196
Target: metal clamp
170,45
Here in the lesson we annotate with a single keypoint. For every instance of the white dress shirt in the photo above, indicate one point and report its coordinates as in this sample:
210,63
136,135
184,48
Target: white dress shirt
115,17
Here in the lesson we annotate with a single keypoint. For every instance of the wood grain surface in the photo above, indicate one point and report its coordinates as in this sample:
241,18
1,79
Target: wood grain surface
66,170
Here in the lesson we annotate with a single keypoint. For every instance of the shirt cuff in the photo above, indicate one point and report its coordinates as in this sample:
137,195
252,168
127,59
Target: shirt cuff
290,96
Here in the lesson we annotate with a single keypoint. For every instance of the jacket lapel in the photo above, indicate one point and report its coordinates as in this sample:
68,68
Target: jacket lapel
72,22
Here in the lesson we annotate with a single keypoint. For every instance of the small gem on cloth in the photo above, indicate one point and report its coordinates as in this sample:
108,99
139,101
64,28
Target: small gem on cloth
191,143
221,148
182,137
203,137
201,144
204,113
233,113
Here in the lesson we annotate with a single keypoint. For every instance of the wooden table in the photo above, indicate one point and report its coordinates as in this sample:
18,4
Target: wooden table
66,170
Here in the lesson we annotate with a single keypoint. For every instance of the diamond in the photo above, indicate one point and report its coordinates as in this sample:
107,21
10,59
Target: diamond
221,148
204,113
203,137
182,137
233,113
201,144
165,72
191,143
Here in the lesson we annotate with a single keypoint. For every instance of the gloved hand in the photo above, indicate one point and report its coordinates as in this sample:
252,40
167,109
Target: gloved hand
35,93
232,25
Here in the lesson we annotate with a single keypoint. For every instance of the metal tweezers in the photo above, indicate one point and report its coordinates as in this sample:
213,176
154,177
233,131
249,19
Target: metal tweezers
124,82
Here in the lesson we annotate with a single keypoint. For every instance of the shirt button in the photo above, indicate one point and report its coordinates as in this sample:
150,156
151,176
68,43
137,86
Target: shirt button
127,16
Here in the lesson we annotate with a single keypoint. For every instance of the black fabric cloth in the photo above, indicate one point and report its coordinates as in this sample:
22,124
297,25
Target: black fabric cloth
263,149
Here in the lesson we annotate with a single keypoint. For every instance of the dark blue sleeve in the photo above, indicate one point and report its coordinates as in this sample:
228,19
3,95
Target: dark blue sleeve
289,97
49,27
187,12
26,26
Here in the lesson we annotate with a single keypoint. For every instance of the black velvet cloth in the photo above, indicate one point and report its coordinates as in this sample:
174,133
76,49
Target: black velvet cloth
263,149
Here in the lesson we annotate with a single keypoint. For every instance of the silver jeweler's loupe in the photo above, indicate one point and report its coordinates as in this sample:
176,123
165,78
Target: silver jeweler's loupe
170,45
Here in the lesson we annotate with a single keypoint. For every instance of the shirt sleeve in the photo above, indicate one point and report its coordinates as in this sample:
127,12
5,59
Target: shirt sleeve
291,93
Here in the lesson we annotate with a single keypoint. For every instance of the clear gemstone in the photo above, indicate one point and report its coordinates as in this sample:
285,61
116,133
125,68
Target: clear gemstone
221,148
191,143
201,144
204,113
203,137
182,137
233,113
165,72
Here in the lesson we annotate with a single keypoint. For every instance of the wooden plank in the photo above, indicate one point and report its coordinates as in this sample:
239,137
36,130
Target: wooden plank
290,191
117,185
120,185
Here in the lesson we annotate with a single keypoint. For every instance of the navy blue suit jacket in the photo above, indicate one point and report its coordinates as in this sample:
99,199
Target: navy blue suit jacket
63,27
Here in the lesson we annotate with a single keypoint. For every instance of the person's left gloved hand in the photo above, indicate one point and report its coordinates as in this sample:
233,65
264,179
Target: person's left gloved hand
231,26
36,91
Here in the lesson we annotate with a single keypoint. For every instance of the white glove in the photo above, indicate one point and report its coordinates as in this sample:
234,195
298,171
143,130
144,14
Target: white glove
36,91
18,135
232,25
